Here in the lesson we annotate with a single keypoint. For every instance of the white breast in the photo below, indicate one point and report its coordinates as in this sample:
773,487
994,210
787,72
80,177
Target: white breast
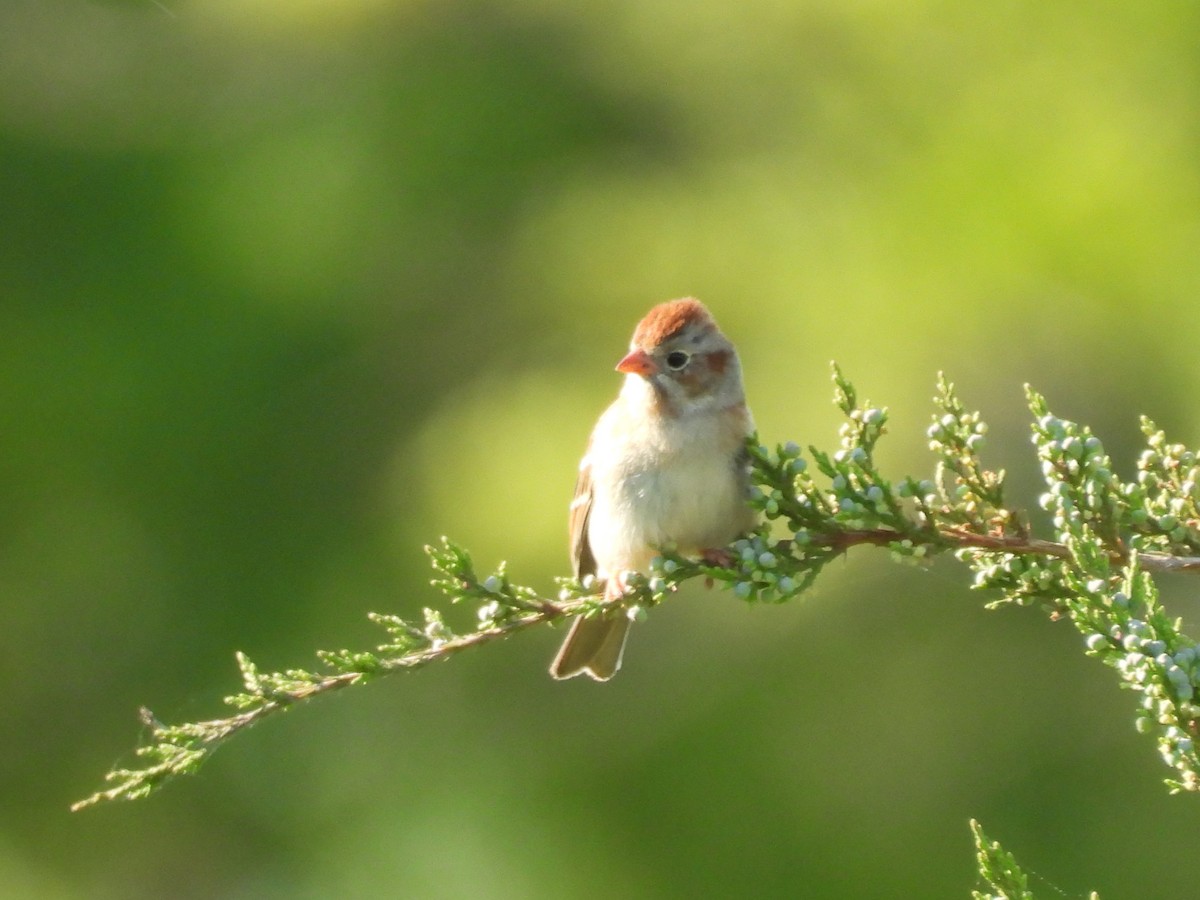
676,483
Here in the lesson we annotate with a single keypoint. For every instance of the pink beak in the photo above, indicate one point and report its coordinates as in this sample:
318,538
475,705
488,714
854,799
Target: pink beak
637,362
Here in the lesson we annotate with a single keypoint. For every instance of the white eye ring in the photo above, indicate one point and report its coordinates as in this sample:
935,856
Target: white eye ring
677,359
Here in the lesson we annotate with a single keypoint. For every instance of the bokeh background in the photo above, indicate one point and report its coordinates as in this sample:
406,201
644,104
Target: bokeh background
291,288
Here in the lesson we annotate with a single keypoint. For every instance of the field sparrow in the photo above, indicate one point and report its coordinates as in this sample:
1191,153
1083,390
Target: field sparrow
666,464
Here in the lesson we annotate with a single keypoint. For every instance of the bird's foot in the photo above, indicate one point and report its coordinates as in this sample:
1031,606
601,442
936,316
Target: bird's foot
716,556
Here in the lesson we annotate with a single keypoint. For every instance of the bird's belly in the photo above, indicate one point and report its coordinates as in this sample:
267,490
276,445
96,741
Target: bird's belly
695,504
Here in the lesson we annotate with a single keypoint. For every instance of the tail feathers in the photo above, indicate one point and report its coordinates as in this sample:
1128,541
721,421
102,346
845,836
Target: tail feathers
593,647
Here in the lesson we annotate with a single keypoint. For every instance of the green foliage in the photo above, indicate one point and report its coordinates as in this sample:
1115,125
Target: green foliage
1109,537
998,869
1112,532
501,608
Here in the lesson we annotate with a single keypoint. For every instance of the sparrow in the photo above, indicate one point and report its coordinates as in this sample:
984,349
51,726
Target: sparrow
666,465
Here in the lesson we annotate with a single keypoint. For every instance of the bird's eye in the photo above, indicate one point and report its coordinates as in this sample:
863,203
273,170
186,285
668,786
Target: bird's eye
677,359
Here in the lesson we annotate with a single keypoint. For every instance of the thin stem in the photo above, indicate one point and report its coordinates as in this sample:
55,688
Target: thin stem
953,538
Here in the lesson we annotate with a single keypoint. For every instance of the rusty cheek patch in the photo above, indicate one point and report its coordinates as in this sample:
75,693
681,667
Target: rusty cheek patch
694,380
718,361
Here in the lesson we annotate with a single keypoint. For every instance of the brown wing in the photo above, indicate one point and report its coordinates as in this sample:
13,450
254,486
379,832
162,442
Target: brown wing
593,646
582,560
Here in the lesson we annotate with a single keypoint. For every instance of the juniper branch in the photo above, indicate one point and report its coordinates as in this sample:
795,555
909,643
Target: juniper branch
180,749
999,871
1096,572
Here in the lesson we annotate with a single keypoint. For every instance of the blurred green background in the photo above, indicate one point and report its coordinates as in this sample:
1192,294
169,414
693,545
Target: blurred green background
291,288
